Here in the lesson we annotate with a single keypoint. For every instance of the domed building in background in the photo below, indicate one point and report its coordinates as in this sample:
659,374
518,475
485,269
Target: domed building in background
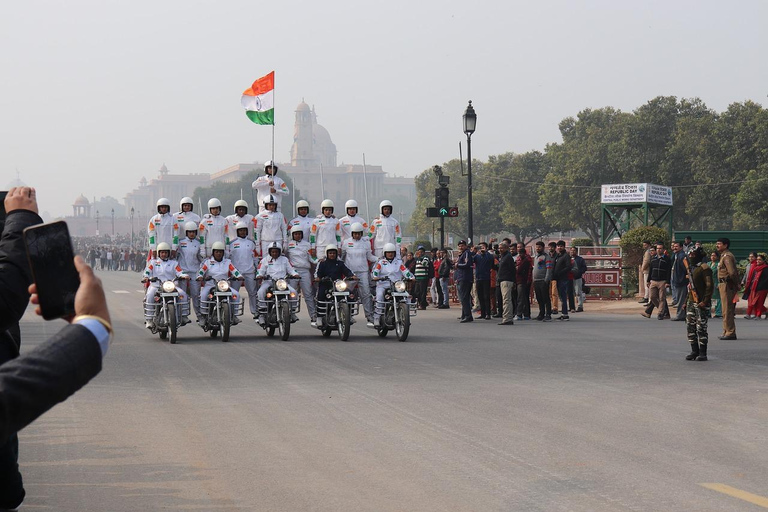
81,207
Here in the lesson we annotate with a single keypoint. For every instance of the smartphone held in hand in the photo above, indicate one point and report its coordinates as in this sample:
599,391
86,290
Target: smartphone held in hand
51,259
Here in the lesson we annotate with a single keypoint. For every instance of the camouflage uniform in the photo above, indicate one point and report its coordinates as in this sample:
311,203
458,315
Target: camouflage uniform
696,316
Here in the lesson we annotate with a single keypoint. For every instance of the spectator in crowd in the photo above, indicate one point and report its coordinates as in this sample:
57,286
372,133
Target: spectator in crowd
422,271
561,273
714,263
644,267
437,297
579,269
410,264
679,280
524,276
444,271
553,293
757,288
483,264
463,278
687,245
507,276
542,277
433,284
658,277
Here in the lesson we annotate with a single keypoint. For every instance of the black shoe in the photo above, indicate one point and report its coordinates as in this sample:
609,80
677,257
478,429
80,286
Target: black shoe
554,311
506,323
702,353
496,315
487,317
564,318
580,309
694,352
731,337
677,319
442,307
539,318
470,319
548,318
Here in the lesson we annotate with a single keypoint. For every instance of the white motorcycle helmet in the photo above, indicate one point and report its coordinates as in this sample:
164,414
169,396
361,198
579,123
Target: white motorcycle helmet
163,246
390,247
331,247
274,245
350,204
163,201
356,227
190,225
214,203
301,204
270,199
218,246
242,203
297,229
241,225
327,203
273,165
186,200
384,203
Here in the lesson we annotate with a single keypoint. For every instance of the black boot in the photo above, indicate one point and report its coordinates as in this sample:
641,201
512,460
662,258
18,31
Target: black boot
694,352
702,352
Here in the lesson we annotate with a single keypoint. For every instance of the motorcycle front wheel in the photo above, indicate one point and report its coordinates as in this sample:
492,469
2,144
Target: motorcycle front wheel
284,321
344,321
172,327
226,321
403,325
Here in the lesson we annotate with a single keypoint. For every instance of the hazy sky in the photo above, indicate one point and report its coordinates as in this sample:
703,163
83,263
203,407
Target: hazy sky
96,94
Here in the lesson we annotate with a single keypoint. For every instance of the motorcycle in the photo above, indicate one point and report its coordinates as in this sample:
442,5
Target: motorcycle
395,311
279,309
167,312
222,310
336,309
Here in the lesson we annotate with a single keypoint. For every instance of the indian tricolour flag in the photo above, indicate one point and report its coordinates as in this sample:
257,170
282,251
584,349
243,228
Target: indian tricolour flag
258,101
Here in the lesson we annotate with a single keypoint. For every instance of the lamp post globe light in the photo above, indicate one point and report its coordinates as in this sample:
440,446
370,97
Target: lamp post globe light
470,121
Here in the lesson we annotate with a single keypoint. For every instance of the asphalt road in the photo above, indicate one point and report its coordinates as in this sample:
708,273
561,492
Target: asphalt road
601,413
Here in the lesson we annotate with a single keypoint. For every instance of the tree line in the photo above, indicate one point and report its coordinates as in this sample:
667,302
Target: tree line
717,164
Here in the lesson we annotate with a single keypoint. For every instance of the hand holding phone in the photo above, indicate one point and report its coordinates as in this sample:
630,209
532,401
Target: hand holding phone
51,259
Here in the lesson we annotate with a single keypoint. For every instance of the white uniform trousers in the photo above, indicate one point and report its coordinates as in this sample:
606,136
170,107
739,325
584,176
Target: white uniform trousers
381,287
250,287
149,299
307,290
192,287
363,285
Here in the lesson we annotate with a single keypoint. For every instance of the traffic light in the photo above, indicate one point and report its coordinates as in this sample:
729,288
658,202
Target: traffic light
442,199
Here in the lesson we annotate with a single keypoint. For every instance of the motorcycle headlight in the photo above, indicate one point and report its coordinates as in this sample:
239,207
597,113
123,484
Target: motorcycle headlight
281,284
168,286
222,286
340,286
400,286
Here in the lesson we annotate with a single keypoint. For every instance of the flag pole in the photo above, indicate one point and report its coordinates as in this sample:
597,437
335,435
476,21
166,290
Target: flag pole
365,184
273,125
322,183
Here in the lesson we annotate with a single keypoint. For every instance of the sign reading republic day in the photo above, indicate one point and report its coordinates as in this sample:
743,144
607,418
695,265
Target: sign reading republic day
636,193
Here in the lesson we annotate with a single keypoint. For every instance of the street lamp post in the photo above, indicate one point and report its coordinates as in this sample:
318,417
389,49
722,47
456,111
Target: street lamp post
131,227
470,120
97,223
113,222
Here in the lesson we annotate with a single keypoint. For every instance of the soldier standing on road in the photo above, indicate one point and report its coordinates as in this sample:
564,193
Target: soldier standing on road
727,278
699,303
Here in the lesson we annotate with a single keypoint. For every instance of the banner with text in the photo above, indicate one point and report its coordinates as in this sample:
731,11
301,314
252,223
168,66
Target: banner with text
636,193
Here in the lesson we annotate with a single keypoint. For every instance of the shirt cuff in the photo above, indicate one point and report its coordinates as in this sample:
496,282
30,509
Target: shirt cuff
99,331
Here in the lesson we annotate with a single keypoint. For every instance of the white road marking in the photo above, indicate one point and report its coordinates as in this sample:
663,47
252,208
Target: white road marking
120,291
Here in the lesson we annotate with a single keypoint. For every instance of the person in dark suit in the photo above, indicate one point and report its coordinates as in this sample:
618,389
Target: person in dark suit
15,277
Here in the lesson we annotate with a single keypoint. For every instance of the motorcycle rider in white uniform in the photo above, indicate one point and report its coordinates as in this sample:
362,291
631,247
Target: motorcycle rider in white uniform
242,252
241,215
162,228
299,253
350,218
188,256
272,267
164,269
390,266
216,267
326,230
186,215
269,184
270,226
384,230
356,253
213,228
302,219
